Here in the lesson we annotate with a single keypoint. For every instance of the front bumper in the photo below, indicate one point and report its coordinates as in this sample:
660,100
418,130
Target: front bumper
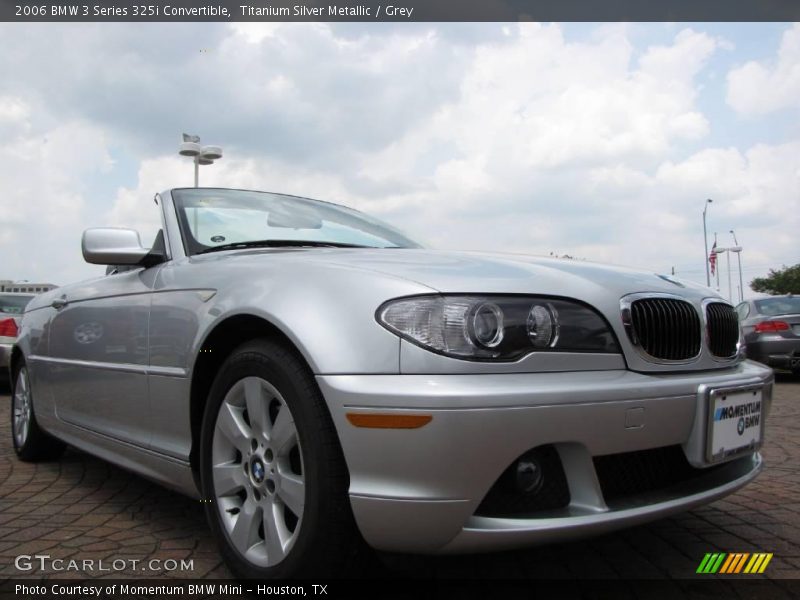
417,490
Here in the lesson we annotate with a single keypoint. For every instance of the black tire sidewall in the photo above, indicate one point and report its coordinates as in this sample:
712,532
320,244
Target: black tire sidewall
276,365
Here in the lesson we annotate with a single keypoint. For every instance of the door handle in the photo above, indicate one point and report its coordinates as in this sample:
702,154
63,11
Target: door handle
59,303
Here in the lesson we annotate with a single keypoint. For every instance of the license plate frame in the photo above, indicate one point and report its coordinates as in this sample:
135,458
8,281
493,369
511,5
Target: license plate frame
739,393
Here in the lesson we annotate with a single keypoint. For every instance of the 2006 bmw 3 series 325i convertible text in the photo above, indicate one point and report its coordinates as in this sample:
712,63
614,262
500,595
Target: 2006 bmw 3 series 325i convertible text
326,385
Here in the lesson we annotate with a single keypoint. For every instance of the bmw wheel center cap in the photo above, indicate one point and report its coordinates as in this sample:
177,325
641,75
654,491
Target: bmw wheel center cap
257,470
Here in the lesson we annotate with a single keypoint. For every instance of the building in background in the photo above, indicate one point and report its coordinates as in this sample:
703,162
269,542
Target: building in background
25,287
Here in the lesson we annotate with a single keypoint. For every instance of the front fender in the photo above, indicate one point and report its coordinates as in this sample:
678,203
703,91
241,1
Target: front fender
327,311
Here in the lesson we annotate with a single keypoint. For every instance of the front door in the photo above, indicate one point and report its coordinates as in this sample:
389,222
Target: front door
99,355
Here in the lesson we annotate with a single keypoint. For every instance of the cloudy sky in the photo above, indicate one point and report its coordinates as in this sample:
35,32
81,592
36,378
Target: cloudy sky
598,141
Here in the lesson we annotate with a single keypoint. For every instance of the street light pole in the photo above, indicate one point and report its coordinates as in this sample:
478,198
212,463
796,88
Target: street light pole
200,155
705,241
739,258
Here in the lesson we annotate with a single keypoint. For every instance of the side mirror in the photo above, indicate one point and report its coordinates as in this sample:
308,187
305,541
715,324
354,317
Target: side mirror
112,246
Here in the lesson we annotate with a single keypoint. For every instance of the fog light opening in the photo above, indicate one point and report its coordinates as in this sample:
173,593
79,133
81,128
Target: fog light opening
532,483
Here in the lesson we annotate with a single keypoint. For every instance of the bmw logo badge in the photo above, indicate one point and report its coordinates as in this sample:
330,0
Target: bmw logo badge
258,471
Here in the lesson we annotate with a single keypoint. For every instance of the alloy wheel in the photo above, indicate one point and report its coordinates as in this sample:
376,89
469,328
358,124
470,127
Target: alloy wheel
257,472
22,408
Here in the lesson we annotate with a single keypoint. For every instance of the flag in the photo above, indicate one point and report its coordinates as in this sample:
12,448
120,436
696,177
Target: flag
191,138
712,258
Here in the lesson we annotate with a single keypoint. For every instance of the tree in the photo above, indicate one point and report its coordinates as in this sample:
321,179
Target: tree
782,281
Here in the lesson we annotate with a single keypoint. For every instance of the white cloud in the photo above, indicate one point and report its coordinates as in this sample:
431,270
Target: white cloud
551,146
46,175
760,87
254,33
757,192
759,185
135,208
13,110
536,101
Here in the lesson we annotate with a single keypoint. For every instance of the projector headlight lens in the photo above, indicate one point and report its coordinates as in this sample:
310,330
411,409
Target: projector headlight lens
542,326
485,325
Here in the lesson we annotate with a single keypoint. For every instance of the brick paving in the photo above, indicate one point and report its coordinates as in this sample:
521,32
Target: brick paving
85,509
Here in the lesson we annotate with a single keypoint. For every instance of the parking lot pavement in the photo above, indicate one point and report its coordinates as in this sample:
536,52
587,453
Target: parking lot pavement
85,509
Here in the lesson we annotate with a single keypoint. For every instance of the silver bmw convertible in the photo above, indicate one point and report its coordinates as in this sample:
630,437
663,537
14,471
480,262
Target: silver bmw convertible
325,385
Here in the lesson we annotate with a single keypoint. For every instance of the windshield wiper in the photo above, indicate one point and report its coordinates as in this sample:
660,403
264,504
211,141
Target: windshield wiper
279,244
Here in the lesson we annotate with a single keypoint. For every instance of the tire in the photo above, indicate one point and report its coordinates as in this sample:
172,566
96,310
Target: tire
31,443
273,476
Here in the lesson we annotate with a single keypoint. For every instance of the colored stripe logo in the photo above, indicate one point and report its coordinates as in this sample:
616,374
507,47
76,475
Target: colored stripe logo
734,563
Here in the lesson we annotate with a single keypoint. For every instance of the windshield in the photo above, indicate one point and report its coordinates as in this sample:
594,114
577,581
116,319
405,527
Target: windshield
14,305
779,306
218,218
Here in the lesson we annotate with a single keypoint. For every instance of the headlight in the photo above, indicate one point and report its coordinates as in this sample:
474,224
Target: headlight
497,327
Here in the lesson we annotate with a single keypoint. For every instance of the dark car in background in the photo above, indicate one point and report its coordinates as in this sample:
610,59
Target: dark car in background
11,308
772,331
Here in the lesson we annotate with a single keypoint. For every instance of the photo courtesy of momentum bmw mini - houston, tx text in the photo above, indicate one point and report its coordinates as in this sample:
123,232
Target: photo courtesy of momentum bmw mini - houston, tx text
392,440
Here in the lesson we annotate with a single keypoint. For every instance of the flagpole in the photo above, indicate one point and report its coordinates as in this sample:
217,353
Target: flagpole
730,287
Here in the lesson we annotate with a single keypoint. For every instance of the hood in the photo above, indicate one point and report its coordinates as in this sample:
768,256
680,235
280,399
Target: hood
465,272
